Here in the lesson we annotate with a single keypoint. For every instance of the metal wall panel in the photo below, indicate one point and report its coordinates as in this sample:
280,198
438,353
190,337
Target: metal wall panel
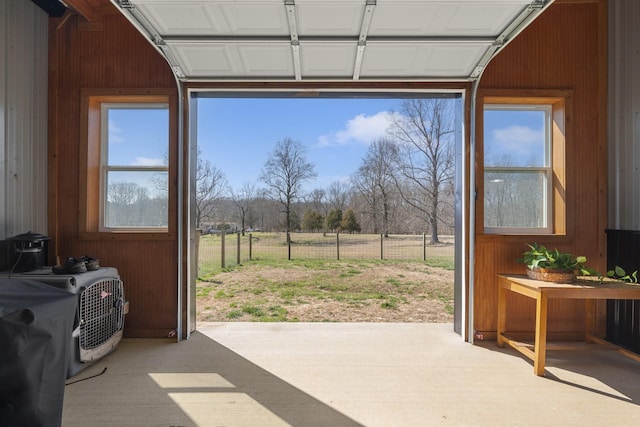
23,118
624,115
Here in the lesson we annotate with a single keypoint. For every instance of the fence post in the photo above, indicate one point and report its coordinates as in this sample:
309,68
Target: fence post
238,250
196,249
288,246
250,247
222,239
424,246
381,246
338,246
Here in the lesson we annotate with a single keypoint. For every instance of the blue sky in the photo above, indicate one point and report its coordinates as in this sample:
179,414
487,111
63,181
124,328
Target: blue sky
238,134
516,134
138,137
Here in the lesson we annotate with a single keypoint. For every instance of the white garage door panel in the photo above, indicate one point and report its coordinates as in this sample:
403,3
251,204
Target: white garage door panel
322,59
330,19
182,19
222,60
268,60
445,60
204,17
206,59
330,39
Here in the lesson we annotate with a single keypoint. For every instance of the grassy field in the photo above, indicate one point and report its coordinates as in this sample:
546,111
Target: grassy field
272,288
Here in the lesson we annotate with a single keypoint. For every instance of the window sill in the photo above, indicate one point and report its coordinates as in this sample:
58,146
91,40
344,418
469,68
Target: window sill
125,235
519,238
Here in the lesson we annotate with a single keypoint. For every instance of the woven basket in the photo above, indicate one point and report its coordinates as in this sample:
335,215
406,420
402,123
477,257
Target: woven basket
551,275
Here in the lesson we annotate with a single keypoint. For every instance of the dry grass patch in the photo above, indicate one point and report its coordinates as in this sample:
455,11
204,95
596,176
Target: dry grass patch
328,291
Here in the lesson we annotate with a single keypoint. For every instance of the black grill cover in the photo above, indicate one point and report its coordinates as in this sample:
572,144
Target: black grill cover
36,322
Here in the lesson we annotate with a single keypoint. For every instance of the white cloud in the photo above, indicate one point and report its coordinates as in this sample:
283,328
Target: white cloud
114,132
517,134
361,129
518,142
147,161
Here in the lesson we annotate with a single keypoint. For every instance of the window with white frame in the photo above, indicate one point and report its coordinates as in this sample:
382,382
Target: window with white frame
134,171
518,169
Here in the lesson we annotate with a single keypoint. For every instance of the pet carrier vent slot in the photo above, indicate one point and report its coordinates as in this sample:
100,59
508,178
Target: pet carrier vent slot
101,317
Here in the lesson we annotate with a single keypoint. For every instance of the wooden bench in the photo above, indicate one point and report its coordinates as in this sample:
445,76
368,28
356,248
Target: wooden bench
541,292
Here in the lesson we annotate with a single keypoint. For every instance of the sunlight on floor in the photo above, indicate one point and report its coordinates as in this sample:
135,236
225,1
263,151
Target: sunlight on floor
190,380
199,395
229,409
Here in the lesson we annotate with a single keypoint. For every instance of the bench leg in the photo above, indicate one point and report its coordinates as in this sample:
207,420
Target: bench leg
502,314
541,335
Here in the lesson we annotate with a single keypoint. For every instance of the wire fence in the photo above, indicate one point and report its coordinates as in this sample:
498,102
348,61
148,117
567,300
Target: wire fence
217,251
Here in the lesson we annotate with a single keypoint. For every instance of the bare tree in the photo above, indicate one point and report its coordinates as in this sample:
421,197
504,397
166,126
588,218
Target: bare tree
129,204
513,196
338,195
318,200
424,131
284,172
374,179
242,200
261,203
211,184
123,193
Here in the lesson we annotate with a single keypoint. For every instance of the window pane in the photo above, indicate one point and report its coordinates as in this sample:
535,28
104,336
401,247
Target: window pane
515,137
136,199
137,136
515,199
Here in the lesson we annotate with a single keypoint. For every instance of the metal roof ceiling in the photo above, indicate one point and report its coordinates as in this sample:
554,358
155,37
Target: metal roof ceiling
344,40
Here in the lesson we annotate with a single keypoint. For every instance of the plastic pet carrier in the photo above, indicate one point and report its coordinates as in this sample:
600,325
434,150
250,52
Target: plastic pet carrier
100,312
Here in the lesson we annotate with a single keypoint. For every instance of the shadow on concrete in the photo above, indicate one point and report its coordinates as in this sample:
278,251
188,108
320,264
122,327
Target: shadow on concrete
195,382
589,367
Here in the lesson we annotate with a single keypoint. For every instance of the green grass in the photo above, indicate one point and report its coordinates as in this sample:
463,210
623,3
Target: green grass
393,281
315,275
234,314
261,313
252,310
266,290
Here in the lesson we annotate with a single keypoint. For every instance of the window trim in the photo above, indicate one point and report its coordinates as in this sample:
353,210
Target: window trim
90,203
561,102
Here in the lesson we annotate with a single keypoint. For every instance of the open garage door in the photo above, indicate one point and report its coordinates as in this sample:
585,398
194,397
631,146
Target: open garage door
293,40
316,41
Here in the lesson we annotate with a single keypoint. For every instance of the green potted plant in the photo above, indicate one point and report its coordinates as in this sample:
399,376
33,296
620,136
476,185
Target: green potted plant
551,265
618,273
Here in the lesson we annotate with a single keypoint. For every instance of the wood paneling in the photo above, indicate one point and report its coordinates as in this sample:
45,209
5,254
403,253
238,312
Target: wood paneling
112,55
87,8
561,50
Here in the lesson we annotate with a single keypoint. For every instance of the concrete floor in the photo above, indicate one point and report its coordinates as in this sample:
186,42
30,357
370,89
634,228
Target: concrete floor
346,374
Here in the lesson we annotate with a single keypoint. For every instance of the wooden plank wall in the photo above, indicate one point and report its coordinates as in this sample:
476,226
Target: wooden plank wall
106,53
565,48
